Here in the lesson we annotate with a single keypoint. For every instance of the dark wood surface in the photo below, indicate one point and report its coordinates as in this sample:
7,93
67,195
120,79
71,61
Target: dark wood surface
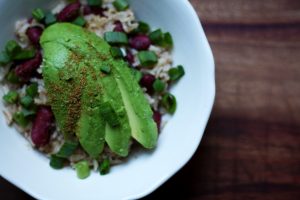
251,148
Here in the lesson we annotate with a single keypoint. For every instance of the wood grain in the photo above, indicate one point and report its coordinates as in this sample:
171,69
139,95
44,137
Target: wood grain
251,146
248,12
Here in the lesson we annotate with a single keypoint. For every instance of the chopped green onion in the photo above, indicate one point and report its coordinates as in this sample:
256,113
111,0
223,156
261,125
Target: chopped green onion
12,47
156,37
80,21
116,38
104,167
176,73
26,101
20,119
56,162
169,103
38,14
12,77
67,149
29,112
15,52
147,58
4,58
116,52
137,74
109,114
24,54
11,97
158,85
32,90
168,40
121,5
95,2
82,169
50,19
105,69
142,28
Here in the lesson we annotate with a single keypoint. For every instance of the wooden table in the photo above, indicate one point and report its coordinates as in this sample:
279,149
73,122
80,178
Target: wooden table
251,148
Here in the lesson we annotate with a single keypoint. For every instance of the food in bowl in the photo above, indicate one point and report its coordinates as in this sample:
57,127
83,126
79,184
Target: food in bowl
87,82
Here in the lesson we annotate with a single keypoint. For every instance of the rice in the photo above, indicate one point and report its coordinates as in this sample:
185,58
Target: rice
99,25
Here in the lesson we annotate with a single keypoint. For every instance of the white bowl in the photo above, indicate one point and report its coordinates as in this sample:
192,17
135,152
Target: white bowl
144,172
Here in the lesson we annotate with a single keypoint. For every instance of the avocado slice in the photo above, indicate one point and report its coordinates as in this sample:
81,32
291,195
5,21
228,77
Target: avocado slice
73,58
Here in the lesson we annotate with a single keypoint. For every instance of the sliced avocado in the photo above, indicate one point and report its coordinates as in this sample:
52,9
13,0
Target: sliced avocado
73,59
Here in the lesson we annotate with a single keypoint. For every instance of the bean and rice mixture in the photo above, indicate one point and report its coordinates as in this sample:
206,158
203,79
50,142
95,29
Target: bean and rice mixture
23,88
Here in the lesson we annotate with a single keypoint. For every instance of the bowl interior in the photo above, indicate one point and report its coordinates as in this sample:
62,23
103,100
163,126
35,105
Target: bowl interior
144,171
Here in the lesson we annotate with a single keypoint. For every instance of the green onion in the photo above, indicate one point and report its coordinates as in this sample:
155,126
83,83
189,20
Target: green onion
147,58
15,52
82,169
50,19
12,48
116,38
168,40
38,14
80,21
56,162
26,101
169,103
20,119
104,167
109,114
105,69
29,112
176,73
157,37
121,5
24,54
4,58
12,77
67,149
137,74
11,97
158,85
32,90
94,2
142,28
116,52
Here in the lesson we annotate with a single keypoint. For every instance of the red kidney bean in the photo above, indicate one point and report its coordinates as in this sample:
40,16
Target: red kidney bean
27,69
34,34
147,81
118,26
69,13
157,118
140,42
96,10
129,57
41,127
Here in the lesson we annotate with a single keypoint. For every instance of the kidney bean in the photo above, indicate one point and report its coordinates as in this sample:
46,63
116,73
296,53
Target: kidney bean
27,69
34,34
147,81
129,57
96,10
69,13
41,127
118,26
140,42
157,118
